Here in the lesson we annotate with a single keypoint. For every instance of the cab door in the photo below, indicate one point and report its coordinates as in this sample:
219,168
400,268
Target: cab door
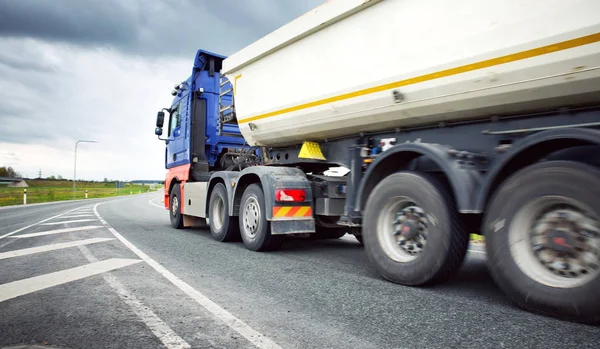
177,142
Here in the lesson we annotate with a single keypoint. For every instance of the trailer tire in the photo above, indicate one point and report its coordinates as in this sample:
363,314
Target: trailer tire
175,207
255,229
223,227
522,246
431,243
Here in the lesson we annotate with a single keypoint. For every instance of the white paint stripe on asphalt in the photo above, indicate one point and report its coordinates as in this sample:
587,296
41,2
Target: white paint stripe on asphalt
160,329
73,221
255,337
151,202
56,231
53,247
476,251
79,215
37,283
34,224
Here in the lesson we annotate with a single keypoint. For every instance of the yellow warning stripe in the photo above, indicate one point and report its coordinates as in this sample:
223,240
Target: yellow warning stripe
292,211
560,46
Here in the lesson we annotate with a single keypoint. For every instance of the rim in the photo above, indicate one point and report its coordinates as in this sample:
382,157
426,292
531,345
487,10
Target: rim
251,217
555,241
175,206
218,213
402,229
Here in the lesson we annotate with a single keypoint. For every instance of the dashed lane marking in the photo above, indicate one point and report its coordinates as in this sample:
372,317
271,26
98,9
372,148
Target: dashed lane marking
66,222
34,224
52,247
56,231
22,287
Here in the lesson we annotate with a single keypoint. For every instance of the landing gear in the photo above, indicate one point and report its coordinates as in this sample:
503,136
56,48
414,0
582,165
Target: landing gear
411,231
543,239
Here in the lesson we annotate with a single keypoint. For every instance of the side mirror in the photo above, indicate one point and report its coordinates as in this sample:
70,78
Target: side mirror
158,131
160,119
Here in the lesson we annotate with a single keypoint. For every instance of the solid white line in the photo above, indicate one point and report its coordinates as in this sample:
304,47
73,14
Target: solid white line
65,222
153,204
53,247
79,215
476,251
255,337
37,283
34,224
160,329
56,231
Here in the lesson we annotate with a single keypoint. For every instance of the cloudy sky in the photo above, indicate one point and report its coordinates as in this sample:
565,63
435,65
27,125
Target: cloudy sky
99,70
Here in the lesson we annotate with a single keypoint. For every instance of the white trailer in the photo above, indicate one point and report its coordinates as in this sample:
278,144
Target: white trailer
446,117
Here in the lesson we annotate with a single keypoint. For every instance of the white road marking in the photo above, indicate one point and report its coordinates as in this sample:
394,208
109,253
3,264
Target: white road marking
160,329
65,222
79,215
476,251
56,231
53,247
37,283
151,202
255,337
34,224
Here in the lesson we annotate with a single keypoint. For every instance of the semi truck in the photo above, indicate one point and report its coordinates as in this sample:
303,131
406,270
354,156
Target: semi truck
446,118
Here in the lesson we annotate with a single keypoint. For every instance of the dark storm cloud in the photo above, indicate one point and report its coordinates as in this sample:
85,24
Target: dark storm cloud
157,27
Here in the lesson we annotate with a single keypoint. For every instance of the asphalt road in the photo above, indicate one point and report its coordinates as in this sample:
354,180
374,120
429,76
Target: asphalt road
114,274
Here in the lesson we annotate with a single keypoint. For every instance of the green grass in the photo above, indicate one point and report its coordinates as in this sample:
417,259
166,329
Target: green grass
49,190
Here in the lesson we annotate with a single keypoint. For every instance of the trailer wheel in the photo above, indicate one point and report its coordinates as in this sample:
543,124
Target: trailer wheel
222,226
411,230
175,207
254,227
542,233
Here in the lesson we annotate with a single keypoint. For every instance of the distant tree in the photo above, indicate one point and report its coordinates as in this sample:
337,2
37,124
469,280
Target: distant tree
59,177
9,172
105,180
51,178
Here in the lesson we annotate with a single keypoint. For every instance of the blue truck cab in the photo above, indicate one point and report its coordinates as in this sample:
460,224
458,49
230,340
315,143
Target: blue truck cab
197,138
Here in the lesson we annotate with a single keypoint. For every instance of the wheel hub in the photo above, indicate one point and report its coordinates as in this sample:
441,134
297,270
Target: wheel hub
559,241
175,206
411,229
251,217
564,242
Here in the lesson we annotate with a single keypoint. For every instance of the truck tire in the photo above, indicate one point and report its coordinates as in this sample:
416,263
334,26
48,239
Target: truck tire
411,231
222,226
175,207
542,232
254,227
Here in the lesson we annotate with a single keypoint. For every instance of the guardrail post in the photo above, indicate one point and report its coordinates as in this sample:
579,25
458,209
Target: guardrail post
24,196
86,194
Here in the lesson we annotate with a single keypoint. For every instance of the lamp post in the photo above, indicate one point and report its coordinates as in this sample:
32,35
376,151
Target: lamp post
75,164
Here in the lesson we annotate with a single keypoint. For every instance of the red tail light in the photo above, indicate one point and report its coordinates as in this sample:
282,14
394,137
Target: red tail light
290,195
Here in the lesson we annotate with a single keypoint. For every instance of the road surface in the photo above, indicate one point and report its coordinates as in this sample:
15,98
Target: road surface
114,274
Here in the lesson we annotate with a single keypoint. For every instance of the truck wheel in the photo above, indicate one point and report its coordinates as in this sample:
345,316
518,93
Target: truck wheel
411,230
542,233
222,226
175,207
254,227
